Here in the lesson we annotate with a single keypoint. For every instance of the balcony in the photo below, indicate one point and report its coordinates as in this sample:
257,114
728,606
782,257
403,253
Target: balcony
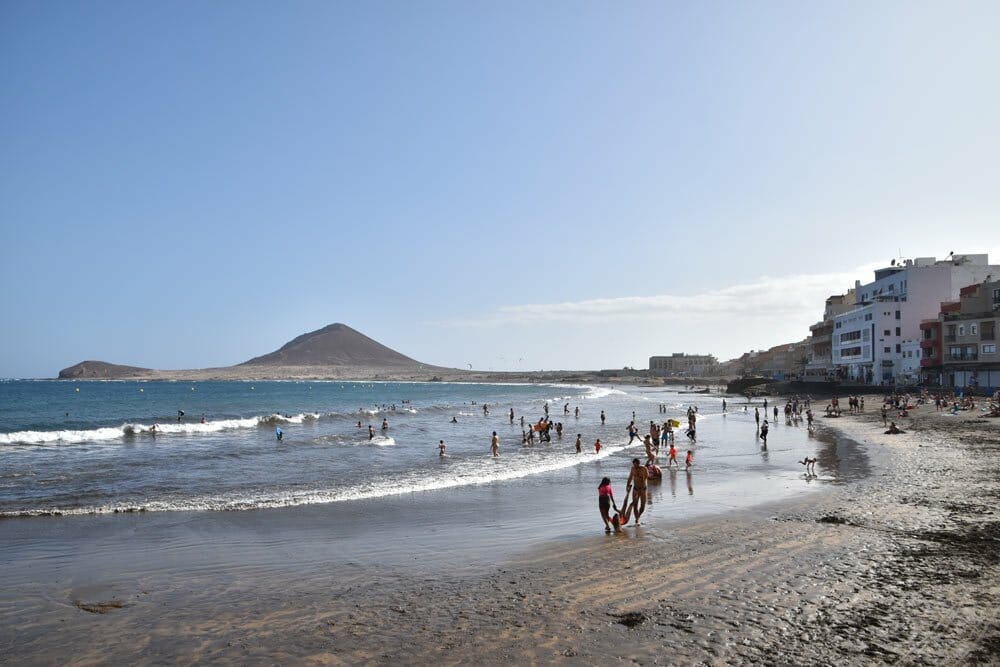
987,335
965,356
929,362
928,343
818,340
950,338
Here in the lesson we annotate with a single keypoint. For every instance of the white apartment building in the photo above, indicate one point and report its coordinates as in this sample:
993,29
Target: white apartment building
868,340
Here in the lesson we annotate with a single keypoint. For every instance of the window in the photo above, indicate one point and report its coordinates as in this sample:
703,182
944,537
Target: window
886,333
961,329
955,351
996,295
868,317
898,348
973,329
887,350
837,325
897,314
850,336
851,352
897,331
990,349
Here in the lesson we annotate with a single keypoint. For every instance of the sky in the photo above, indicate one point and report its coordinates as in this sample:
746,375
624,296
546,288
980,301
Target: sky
511,185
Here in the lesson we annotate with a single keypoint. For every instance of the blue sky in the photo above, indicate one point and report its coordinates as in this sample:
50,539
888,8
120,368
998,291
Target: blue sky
192,184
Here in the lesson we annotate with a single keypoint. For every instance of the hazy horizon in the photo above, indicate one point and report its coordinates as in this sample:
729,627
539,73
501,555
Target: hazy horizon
516,187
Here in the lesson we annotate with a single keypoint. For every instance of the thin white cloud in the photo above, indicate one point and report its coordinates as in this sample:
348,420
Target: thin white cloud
767,297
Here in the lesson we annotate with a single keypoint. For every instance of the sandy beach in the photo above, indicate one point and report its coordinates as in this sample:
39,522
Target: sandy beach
892,560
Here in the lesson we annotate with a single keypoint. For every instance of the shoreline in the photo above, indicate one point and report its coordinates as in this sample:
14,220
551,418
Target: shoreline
897,566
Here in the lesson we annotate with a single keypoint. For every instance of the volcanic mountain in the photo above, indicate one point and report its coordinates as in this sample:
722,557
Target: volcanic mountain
334,345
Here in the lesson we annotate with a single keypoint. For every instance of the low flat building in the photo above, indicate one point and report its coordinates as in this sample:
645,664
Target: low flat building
680,363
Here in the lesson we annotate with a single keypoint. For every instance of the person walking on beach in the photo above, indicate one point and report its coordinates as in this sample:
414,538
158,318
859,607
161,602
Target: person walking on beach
637,477
756,416
495,444
763,433
602,417
633,432
576,412
688,460
648,442
723,405
597,446
605,501
512,415
441,448
579,443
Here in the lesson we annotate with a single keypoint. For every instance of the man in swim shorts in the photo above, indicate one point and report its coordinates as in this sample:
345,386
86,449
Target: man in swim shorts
637,484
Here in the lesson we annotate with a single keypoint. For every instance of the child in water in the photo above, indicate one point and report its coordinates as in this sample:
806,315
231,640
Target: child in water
597,446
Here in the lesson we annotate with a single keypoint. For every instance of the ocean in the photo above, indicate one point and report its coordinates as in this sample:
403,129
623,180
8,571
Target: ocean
89,447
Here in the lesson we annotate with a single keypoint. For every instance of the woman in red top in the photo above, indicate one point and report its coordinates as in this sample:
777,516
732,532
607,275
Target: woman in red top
605,501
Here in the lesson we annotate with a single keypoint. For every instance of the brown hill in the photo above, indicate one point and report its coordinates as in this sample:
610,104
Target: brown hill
334,345
101,370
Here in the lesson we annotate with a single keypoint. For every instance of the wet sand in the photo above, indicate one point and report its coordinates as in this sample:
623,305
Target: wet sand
894,560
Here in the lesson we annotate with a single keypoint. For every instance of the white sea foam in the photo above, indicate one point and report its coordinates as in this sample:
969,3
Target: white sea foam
44,437
603,392
487,471
136,429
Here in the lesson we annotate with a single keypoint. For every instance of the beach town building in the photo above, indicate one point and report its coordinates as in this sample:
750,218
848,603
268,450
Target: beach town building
680,363
867,344
959,347
820,366
781,362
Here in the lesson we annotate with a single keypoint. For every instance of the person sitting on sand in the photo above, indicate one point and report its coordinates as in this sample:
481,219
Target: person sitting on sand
894,430
653,472
638,475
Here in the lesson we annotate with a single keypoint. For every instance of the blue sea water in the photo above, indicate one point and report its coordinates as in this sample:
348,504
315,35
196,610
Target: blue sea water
90,447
